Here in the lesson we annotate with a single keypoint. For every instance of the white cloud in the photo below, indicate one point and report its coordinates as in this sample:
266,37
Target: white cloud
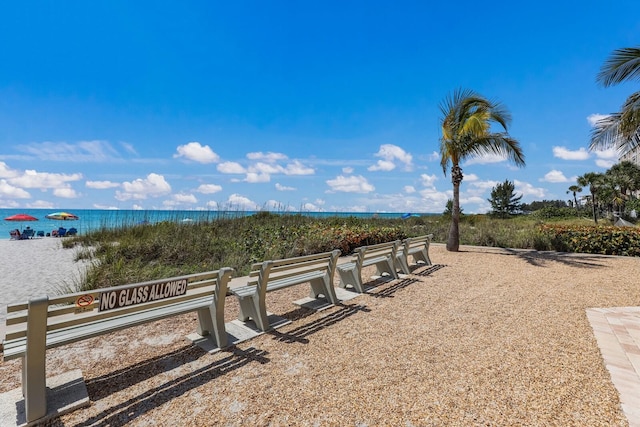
310,207
606,164
471,177
281,187
114,208
606,158
153,185
209,188
428,180
128,148
230,167
350,184
101,185
486,159
389,154
555,176
65,193
265,168
236,201
610,154
9,191
435,199
197,152
7,172
269,157
434,156
479,187
409,189
83,151
212,204
347,170
184,198
41,204
566,154
382,165
253,177
297,168
527,189
594,118
33,179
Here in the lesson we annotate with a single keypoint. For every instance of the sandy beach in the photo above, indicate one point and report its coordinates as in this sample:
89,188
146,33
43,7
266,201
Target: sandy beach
489,337
34,267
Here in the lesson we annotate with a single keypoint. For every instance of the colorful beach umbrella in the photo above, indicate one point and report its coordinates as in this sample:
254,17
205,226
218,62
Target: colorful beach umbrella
62,216
21,217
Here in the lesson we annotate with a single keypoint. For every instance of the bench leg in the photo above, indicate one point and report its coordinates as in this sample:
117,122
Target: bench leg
402,264
386,267
34,376
324,287
350,277
211,322
422,255
252,308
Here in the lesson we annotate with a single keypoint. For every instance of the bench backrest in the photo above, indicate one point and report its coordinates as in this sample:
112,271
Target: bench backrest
412,242
381,249
263,272
78,308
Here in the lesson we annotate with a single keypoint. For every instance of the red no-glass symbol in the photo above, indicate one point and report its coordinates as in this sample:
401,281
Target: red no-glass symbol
84,300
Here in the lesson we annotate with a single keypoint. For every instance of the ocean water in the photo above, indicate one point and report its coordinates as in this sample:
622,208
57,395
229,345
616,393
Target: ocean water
92,219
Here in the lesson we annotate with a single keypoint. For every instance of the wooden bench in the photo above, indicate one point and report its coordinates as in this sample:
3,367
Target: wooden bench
418,248
382,255
268,276
45,323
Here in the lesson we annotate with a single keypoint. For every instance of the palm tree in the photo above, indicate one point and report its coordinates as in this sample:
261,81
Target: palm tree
466,132
592,180
574,189
619,130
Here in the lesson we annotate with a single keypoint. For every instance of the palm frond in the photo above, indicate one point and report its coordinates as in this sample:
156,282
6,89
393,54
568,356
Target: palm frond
607,133
623,64
500,144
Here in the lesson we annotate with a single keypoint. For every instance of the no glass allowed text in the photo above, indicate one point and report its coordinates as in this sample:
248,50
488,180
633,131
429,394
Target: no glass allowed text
141,294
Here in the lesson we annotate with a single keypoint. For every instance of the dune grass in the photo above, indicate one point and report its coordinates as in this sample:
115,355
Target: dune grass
143,252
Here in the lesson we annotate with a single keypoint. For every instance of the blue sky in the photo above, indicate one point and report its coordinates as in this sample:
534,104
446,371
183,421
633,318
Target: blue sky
285,105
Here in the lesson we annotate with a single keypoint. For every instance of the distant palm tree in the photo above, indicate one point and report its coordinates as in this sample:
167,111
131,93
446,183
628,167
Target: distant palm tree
466,132
619,130
593,180
574,189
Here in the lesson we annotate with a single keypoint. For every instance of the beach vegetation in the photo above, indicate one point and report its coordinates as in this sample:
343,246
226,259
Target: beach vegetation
504,200
142,252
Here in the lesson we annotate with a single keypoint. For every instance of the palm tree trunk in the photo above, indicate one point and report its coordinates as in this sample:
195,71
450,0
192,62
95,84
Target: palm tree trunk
453,242
593,201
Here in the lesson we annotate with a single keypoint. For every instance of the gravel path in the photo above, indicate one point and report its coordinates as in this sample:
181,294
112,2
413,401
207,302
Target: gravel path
494,337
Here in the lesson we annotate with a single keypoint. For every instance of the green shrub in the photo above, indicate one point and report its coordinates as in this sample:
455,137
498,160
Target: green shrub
608,240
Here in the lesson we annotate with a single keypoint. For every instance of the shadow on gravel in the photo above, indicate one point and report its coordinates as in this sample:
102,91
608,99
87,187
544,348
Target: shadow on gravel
543,259
123,413
300,333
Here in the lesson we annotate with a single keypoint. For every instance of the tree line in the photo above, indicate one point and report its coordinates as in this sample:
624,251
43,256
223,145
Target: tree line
612,194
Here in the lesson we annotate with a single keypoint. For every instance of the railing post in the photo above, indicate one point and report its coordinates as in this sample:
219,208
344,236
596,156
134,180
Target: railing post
34,376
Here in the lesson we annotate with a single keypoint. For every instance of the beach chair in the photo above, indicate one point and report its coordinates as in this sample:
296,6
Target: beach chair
72,231
28,234
15,235
62,232
40,233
